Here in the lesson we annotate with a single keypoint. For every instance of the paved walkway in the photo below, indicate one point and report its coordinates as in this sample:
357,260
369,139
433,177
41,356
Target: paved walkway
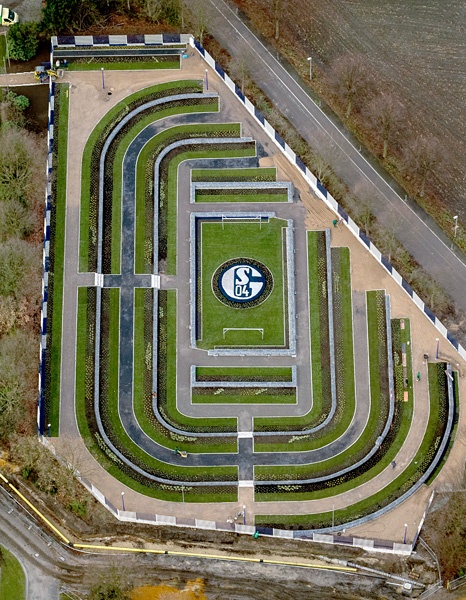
87,106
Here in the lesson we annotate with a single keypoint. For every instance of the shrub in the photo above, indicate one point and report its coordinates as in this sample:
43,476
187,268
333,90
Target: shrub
23,41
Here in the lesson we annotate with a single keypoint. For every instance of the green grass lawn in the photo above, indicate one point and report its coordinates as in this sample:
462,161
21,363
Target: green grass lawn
252,398
124,66
239,196
12,577
248,174
61,129
243,374
247,239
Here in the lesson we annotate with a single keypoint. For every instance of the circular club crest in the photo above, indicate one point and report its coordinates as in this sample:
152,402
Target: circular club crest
242,283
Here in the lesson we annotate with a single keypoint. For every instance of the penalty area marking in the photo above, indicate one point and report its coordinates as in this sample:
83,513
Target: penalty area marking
227,329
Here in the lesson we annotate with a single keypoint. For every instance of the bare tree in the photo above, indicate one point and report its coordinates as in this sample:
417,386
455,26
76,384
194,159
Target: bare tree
349,76
436,297
386,113
423,155
239,68
198,17
277,12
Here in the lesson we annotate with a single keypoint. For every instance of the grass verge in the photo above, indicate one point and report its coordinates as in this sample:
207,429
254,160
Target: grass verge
58,250
12,576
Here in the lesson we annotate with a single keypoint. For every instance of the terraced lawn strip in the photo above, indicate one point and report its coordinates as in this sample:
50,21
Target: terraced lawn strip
144,252
57,257
243,395
388,494
106,457
247,174
169,183
85,354
143,410
166,376
343,330
222,195
243,374
402,360
90,165
438,392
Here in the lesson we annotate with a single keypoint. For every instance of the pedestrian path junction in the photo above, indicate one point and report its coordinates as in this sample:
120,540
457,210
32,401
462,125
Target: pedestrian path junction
214,338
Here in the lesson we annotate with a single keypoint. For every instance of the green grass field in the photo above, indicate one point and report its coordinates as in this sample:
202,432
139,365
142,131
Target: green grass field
246,239
243,373
12,577
248,174
239,196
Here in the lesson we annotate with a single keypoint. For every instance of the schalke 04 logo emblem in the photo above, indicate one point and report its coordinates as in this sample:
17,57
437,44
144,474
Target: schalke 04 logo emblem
242,283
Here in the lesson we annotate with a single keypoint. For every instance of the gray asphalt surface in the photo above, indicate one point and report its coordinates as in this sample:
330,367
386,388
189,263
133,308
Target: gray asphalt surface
29,544
425,242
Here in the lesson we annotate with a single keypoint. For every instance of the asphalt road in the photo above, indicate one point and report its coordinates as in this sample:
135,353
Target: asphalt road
423,241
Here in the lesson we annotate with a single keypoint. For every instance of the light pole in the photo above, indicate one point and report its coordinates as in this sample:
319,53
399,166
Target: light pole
455,219
406,531
437,348
207,80
182,493
123,500
48,427
310,66
103,79
244,514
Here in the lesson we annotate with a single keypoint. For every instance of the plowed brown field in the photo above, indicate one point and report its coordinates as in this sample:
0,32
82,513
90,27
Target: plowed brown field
417,48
